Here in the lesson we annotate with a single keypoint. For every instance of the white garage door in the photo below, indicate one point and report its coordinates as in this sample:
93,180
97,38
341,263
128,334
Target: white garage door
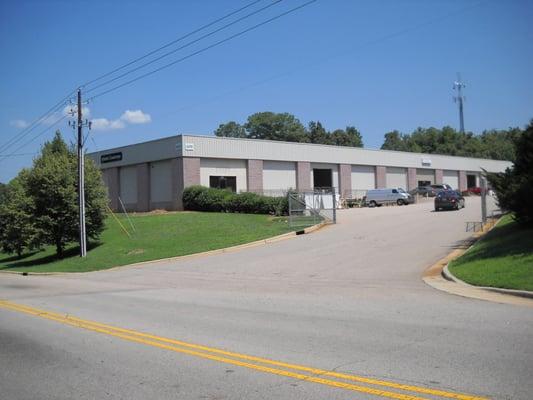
451,178
425,175
128,185
278,177
363,177
396,177
161,181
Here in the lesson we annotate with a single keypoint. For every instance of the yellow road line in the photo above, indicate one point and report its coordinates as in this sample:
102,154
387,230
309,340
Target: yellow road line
154,341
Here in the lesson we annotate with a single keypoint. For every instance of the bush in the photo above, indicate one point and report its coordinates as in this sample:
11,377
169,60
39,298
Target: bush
200,198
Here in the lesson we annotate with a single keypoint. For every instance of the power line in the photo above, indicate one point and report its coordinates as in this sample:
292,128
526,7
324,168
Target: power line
20,135
172,42
33,138
184,46
202,50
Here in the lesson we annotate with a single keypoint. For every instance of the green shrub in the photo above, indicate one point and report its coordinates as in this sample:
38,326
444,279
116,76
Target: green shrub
200,198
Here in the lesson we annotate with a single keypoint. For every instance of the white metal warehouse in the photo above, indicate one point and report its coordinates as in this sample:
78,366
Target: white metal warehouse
152,175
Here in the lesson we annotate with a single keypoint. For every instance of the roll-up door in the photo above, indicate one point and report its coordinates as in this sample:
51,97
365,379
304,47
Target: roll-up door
161,181
278,177
396,177
363,177
425,177
451,178
128,185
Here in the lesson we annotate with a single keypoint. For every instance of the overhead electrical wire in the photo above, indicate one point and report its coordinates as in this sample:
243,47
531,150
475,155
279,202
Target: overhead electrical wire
171,43
65,100
2,158
201,50
183,47
20,135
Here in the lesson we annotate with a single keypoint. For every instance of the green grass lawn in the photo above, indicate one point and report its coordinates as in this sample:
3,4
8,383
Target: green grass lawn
157,236
504,258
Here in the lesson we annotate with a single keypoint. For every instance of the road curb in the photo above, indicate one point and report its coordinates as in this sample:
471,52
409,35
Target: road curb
446,274
230,249
436,277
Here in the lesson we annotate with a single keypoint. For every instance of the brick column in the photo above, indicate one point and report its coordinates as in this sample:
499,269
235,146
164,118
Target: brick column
303,175
438,176
143,187
462,180
111,178
345,180
381,177
255,176
186,172
411,179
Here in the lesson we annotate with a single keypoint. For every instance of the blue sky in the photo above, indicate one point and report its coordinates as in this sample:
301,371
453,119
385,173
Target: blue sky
377,65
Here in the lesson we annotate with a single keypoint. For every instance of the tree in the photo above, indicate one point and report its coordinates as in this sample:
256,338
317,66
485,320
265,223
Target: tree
275,126
17,232
498,145
3,190
352,138
514,187
231,129
393,141
52,185
317,134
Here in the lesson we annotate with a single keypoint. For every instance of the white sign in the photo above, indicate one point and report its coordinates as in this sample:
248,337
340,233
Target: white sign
189,146
426,161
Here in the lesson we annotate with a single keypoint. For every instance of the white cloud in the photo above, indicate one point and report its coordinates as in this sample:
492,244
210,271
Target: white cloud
129,117
104,124
135,117
19,123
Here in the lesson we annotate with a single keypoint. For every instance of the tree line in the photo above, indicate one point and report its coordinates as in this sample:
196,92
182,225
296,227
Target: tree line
492,144
286,127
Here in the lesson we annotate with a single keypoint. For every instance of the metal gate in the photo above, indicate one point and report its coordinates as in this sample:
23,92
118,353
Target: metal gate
311,208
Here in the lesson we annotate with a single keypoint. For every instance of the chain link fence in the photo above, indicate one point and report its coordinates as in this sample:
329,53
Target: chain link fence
312,207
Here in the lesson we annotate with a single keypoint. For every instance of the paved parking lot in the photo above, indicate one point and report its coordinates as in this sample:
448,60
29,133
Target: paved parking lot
348,298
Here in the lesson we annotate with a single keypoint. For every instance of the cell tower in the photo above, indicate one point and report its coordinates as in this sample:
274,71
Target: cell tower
459,85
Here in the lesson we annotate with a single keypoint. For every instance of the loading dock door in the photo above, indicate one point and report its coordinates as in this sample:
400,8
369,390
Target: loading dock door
451,178
322,178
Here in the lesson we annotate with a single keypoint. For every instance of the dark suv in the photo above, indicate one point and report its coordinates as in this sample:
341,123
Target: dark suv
449,199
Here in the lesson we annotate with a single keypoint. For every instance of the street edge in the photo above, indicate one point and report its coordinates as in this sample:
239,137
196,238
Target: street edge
436,277
230,249
446,274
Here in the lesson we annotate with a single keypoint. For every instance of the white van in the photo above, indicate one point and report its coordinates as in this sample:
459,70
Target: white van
378,197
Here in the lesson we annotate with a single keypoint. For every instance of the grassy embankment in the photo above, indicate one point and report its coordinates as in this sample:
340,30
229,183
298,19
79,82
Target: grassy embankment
157,236
503,258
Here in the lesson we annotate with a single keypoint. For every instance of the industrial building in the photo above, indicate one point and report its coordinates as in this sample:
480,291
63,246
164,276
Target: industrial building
152,175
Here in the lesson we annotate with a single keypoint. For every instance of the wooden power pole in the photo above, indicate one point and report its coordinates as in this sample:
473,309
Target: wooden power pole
81,180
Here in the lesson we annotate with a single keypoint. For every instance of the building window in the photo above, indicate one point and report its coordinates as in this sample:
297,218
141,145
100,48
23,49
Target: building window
223,182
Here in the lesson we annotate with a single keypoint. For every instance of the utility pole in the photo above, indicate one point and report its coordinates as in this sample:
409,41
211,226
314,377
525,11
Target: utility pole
81,180
459,85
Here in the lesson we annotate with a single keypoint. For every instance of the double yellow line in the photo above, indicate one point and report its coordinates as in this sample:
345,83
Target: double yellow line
295,371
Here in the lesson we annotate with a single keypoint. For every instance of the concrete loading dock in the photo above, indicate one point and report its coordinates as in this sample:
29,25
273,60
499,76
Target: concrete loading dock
152,175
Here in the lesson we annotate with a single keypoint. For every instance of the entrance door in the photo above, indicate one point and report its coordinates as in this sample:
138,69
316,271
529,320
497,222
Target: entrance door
470,181
322,178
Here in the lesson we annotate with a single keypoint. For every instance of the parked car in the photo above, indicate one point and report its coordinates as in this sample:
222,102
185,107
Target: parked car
474,190
440,187
378,197
427,191
449,199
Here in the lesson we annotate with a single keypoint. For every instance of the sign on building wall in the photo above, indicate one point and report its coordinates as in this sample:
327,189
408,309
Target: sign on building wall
105,158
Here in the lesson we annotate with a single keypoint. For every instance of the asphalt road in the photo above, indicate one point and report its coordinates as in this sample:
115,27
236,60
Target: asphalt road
348,298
